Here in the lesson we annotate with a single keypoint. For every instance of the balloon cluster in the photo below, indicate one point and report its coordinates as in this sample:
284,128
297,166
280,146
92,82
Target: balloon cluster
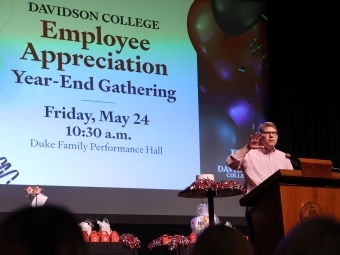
206,184
130,241
175,242
230,37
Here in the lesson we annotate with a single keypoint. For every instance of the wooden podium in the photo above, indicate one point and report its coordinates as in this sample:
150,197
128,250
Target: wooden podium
289,197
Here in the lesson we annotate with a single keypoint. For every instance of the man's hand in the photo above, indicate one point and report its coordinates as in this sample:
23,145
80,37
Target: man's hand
254,142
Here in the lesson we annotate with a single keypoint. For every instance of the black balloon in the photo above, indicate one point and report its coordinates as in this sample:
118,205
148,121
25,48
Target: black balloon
234,17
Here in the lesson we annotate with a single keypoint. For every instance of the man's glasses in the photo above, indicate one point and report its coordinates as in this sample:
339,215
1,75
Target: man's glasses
269,133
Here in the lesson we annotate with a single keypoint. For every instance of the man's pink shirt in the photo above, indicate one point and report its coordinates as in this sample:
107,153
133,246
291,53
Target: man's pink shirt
258,165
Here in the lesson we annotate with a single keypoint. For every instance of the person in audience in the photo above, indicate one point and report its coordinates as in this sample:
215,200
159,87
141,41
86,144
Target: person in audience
316,236
41,231
222,240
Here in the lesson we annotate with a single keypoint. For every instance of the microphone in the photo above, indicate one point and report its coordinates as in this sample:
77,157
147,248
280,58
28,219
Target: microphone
295,163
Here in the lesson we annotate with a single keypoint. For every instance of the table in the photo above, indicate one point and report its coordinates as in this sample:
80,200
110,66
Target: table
109,249
210,194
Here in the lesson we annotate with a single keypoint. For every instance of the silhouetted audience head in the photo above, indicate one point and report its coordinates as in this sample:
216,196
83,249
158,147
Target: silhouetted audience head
223,240
41,231
316,236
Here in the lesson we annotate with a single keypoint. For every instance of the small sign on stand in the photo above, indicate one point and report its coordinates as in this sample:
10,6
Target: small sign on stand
39,200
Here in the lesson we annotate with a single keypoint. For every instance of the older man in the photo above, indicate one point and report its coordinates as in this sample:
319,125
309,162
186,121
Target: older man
259,159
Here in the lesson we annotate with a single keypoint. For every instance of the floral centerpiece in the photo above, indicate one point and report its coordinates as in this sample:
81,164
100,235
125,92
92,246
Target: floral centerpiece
32,191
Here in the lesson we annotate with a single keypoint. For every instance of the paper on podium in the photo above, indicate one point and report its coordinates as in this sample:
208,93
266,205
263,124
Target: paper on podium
39,200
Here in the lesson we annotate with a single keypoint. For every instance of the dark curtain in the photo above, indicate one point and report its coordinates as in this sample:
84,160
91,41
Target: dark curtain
304,75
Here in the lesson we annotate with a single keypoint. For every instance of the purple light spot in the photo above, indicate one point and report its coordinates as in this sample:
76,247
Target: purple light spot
202,88
204,50
240,112
223,70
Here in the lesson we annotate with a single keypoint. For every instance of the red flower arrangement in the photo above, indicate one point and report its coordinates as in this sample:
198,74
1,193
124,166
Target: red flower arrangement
175,242
33,190
207,184
130,241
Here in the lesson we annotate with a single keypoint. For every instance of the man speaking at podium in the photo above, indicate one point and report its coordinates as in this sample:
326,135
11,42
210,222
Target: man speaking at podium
259,159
